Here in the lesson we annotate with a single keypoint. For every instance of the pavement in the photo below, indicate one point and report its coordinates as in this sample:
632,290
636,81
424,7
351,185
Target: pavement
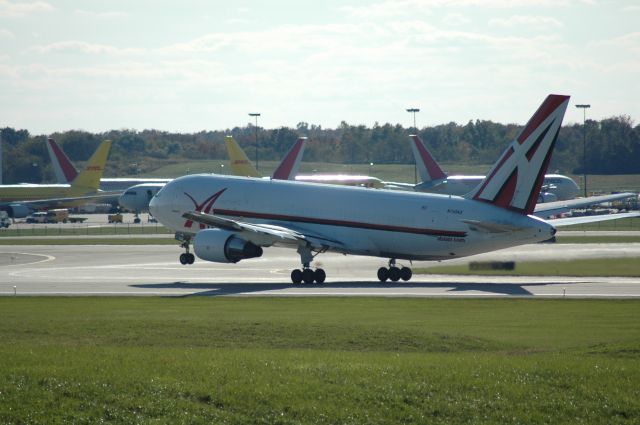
153,270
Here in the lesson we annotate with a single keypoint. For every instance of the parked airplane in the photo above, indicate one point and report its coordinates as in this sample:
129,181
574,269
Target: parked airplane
136,198
19,199
65,172
229,219
558,193
433,179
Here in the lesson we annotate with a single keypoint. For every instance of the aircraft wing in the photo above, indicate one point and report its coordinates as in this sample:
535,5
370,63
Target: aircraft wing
549,209
263,234
63,202
560,222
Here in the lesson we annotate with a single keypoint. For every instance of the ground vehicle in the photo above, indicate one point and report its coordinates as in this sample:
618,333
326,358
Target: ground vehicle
5,221
114,218
60,215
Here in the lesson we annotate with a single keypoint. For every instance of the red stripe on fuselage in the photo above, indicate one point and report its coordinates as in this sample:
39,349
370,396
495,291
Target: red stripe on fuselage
341,223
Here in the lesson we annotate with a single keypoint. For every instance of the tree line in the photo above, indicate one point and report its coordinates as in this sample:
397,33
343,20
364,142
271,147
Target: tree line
613,146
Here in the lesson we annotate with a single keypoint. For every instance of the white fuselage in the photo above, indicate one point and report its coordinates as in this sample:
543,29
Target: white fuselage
561,186
390,224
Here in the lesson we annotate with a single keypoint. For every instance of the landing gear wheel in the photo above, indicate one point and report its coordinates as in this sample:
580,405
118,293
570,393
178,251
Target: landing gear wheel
190,258
296,276
383,274
394,274
184,259
307,276
406,273
319,276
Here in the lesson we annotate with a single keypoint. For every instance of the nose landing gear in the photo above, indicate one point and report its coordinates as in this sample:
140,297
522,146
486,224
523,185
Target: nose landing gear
394,273
186,258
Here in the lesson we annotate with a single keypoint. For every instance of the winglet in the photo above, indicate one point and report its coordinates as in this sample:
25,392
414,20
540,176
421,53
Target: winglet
240,164
62,166
289,166
516,178
88,180
428,168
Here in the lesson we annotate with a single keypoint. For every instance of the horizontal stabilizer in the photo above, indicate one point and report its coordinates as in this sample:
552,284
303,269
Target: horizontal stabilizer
491,227
561,222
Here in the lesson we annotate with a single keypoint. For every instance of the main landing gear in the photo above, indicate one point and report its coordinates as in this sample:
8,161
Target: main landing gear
394,273
186,257
307,275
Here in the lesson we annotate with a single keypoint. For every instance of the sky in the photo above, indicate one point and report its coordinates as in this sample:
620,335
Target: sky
197,65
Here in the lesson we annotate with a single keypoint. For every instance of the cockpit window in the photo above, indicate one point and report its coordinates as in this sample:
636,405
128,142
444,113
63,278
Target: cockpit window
130,192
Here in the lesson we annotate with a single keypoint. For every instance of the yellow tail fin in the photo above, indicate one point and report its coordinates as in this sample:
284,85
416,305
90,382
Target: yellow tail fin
240,164
88,180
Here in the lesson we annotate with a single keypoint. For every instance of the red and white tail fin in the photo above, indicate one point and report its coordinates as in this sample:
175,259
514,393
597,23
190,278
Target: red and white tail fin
62,166
289,166
515,180
428,168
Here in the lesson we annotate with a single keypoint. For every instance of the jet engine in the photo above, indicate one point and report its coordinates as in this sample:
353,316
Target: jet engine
221,246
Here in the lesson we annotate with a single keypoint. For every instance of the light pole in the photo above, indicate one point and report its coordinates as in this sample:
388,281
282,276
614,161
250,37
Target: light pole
256,115
584,144
415,168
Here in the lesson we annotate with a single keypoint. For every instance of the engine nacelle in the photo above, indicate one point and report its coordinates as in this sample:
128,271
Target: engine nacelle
221,246
547,197
18,210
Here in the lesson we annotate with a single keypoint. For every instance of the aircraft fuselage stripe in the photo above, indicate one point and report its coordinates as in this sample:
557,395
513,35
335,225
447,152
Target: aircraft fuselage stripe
341,223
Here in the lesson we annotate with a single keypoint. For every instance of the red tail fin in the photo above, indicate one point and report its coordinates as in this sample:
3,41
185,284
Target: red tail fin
427,165
515,180
289,166
62,166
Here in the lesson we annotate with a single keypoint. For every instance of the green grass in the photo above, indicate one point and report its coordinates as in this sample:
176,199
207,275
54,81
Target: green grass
391,172
84,230
612,267
623,224
90,241
322,360
598,239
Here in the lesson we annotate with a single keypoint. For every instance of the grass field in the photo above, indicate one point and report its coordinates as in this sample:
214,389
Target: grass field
392,172
290,361
612,267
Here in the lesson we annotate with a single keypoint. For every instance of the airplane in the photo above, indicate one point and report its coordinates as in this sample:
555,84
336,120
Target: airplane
229,219
558,193
19,199
242,166
136,198
65,171
435,180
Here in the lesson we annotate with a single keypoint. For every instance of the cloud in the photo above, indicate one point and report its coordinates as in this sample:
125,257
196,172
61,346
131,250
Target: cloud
83,47
100,15
14,10
391,8
528,21
6,34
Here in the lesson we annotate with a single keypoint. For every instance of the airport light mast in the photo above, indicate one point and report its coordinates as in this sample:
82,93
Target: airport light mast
415,168
584,108
256,115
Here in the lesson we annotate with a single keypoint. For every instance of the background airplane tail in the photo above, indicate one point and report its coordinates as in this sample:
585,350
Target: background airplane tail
62,166
88,180
240,164
428,168
515,180
290,165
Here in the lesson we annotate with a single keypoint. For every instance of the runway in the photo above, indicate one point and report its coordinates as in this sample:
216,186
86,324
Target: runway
153,270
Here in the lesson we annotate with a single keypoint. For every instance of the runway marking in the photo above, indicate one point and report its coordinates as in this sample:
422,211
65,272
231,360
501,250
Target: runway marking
46,259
